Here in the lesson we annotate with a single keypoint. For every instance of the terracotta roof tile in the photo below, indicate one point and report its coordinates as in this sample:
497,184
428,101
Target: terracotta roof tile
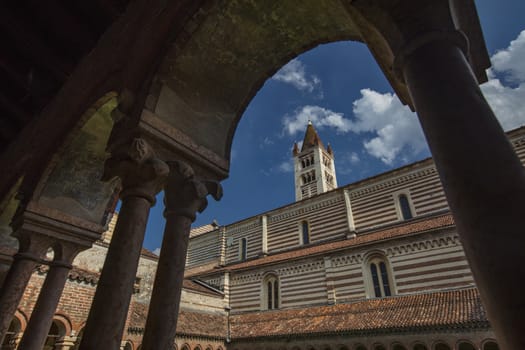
148,253
75,274
200,287
311,138
189,323
402,229
458,309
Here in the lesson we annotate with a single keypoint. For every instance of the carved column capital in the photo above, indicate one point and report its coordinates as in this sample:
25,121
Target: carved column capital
185,194
141,171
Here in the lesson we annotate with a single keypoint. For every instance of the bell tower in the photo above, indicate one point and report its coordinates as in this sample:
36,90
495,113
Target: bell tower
314,167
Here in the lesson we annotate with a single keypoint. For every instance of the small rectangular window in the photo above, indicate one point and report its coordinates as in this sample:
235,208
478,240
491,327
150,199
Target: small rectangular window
243,249
375,280
404,205
305,232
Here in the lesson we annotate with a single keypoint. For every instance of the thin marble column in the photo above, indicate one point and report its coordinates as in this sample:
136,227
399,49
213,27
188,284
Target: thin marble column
31,252
142,175
484,180
42,315
184,196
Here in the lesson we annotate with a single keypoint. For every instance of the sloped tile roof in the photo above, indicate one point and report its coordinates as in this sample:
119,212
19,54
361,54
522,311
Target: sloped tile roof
190,323
199,287
311,138
75,274
149,254
454,309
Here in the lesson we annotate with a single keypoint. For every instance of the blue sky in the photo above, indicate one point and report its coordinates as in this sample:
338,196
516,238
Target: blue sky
341,89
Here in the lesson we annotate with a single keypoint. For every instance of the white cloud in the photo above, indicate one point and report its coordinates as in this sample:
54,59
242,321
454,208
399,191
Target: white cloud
285,167
382,114
294,73
508,102
319,116
354,158
510,60
156,251
396,132
395,127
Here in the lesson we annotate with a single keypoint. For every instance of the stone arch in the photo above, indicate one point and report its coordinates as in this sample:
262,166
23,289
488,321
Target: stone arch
397,346
197,347
185,346
376,257
342,347
378,346
128,345
22,318
441,345
58,330
14,330
64,322
489,344
419,346
70,183
360,346
270,291
465,345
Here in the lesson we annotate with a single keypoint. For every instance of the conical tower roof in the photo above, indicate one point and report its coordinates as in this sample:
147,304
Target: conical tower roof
311,138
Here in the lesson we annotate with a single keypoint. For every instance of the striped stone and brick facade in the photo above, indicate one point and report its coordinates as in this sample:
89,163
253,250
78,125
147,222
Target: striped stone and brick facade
325,294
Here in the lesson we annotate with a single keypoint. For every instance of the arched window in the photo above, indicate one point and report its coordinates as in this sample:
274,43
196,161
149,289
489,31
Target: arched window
360,347
243,249
465,345
14,328
404,206
305,232
379,277
398,347
420,347
128,346
270,292
379,347
490,345
56,331
441,346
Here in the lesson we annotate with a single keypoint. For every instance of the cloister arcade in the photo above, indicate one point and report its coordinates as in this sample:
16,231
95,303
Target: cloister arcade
152,104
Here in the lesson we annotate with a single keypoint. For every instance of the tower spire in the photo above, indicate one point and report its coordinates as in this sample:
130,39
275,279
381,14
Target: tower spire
314,166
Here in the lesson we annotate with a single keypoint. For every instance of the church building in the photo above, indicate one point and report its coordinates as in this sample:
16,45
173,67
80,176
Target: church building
372,265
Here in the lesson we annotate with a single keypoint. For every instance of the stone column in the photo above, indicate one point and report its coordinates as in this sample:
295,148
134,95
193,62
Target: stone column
484,180
184,196
13,342
142,175
42,315
31,252
264,231
65,343
433,66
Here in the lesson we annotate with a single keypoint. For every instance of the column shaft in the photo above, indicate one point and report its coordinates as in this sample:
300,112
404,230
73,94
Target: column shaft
484,180
107,318
42,316
163,311
13,289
